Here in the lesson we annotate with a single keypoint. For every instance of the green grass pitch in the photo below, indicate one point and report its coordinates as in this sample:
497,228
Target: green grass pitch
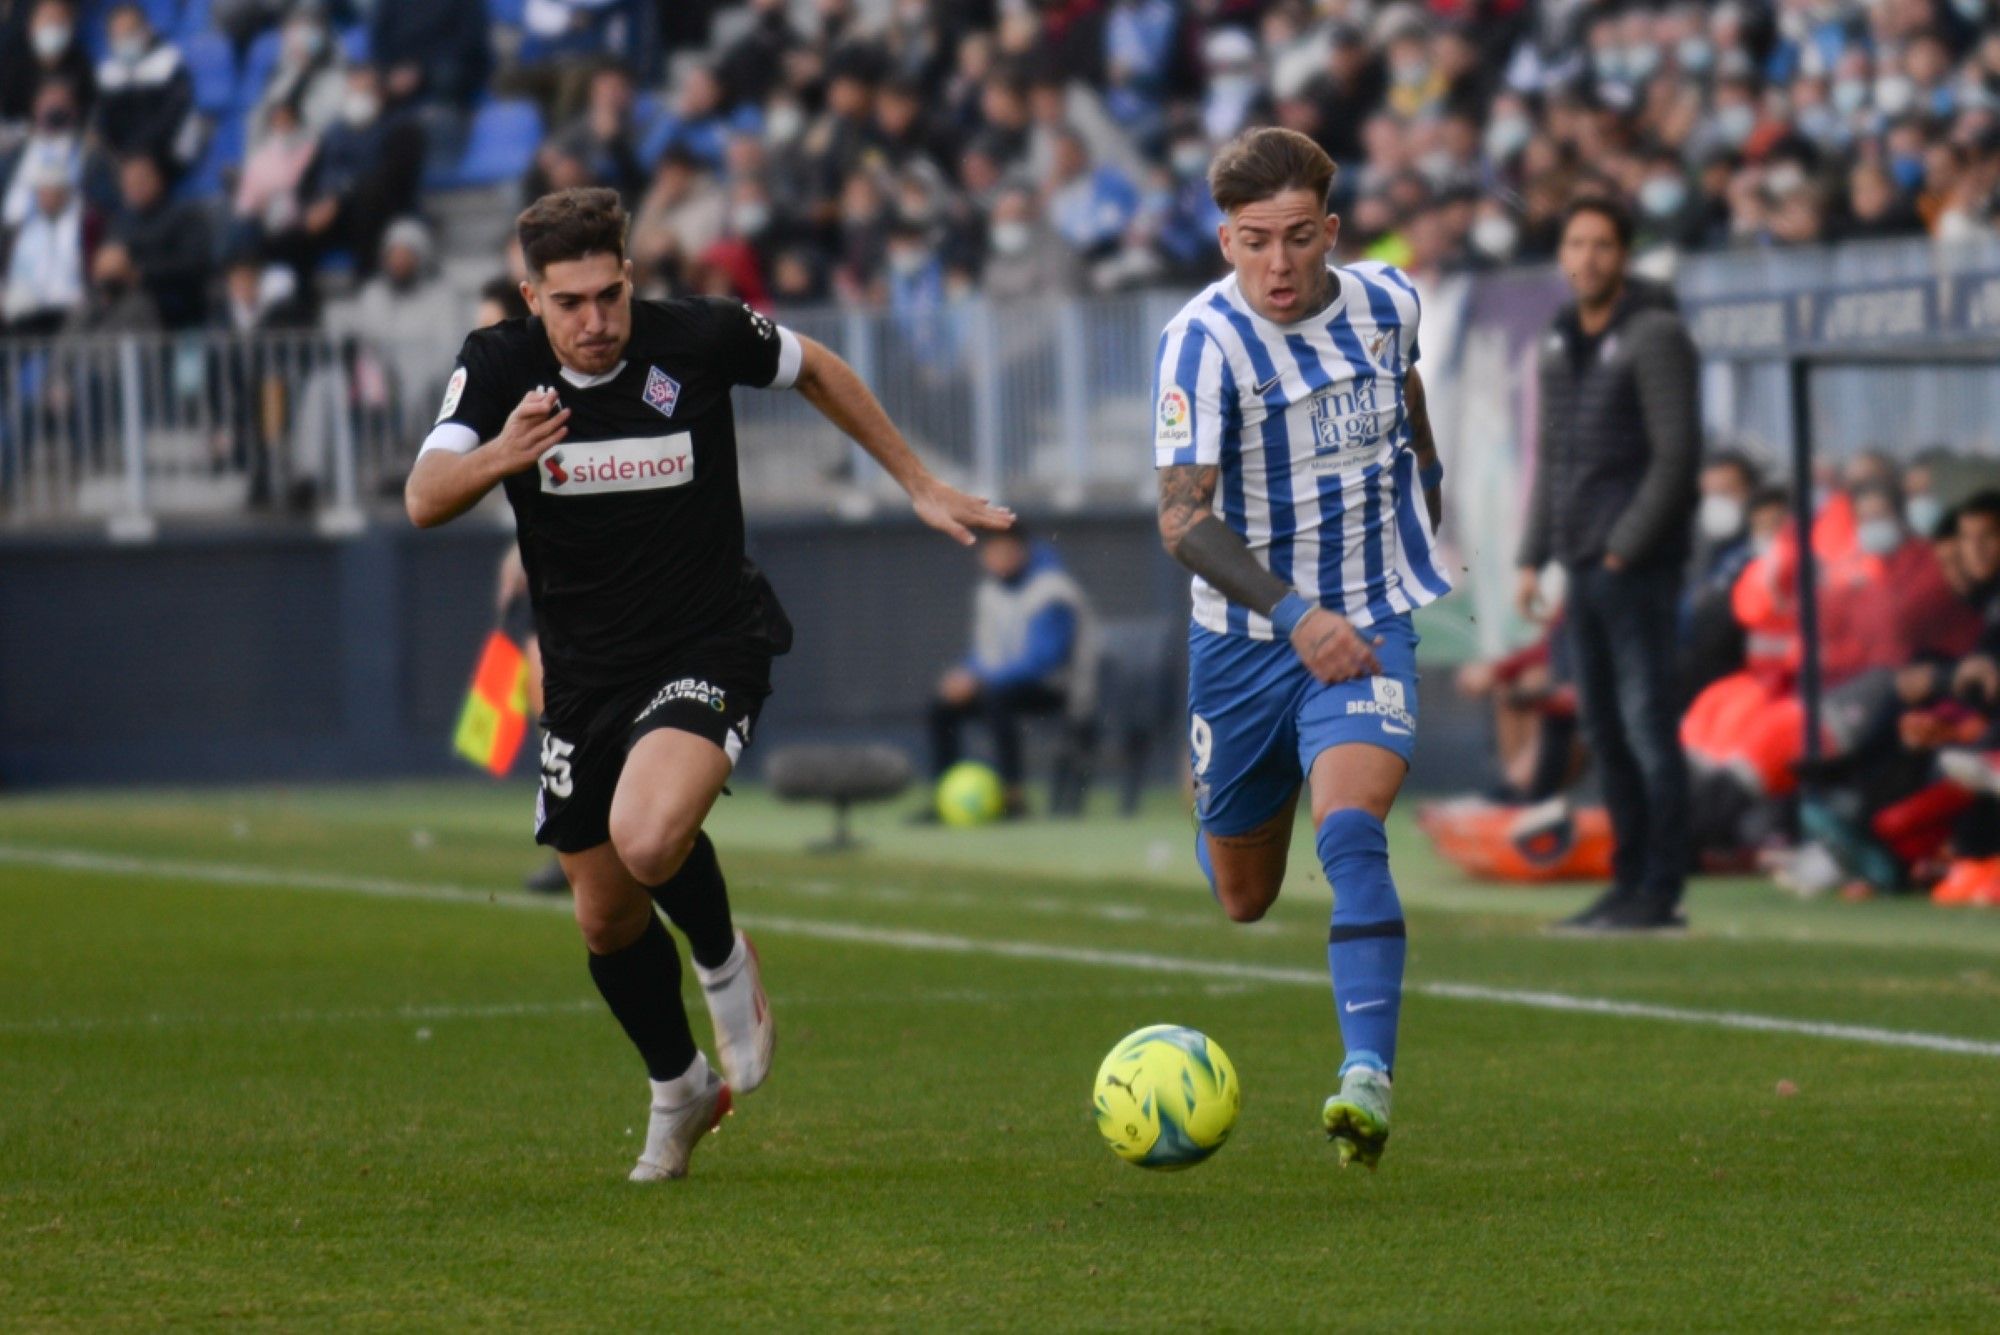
293,1060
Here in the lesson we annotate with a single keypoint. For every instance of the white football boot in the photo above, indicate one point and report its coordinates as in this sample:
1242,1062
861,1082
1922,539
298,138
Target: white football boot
744,1034
674,1130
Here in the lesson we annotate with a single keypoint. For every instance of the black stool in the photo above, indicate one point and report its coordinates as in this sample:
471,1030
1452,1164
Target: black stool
842,775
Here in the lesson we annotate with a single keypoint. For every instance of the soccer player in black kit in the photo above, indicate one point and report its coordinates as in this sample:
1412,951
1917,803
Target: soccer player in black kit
608,422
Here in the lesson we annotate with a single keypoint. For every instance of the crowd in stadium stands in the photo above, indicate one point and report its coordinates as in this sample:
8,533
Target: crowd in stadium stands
899,151
1906,792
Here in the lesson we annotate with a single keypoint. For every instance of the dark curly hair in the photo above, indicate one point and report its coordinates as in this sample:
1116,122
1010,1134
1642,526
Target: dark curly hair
569,225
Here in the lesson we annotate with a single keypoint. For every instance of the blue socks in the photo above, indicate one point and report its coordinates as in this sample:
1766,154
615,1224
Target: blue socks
1365,947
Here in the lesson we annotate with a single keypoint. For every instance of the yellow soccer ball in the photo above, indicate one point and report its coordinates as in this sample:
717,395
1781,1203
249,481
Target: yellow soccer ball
969,794
1166,1097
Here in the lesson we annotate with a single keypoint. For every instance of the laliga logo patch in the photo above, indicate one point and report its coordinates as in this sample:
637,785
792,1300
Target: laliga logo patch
1176,425
453,392
662,391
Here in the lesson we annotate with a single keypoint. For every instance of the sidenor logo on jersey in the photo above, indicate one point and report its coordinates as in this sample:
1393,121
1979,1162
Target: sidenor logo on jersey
632,463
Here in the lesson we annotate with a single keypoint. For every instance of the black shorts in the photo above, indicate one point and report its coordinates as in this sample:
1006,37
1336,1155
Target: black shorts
713,687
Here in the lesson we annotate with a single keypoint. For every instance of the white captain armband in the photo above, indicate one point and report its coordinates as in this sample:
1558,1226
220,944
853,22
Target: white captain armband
456,437
791,356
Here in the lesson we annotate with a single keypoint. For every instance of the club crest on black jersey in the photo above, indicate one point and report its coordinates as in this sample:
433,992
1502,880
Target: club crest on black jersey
631,528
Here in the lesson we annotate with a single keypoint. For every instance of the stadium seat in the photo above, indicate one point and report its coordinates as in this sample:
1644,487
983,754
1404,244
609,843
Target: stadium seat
1137,701
499,146
258,62
354,44
194,18
212,67
647,112
225,150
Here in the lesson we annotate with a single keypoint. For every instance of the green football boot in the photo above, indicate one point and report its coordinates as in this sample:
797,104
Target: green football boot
1357,1118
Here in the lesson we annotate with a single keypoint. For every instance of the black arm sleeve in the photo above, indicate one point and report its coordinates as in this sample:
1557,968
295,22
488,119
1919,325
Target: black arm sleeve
1216,552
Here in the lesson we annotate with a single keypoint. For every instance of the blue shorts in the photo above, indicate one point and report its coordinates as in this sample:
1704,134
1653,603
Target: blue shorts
1257,719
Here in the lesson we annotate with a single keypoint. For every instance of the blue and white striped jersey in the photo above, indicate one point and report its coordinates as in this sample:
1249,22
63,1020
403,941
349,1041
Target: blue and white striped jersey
1308,424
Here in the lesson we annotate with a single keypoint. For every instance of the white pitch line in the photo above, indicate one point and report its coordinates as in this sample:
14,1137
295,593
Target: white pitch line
85,1024
164,1020
941,943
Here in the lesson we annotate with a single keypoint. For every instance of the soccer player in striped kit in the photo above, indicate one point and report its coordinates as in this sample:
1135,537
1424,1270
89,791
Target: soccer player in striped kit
1300,483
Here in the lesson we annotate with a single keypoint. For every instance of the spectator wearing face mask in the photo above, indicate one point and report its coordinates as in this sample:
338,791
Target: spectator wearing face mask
1917,609
1711,638
310,76
1236,95
1494,238
403,316
1184,236
1024,255
51,53
56,138
145,96
46,256
366,173
1668,212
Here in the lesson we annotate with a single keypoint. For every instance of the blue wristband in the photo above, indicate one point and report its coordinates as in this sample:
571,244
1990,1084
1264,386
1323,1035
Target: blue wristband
1430,474
1289,612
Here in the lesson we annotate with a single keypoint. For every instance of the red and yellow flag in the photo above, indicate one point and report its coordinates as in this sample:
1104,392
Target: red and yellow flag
495,717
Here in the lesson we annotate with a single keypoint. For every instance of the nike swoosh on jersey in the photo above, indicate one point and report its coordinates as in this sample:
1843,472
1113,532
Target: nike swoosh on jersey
1261,390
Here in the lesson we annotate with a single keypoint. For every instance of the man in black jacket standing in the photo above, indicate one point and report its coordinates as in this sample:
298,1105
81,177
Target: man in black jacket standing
1613,502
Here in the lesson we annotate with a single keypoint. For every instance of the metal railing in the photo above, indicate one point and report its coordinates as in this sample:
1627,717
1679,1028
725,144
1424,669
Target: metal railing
1039,402
125,429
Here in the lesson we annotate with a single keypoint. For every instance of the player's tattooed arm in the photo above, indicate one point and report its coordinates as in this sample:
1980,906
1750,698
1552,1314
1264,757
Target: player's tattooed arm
1423,443
1210,548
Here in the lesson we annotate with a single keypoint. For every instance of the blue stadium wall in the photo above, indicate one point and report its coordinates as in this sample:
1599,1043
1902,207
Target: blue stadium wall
237,657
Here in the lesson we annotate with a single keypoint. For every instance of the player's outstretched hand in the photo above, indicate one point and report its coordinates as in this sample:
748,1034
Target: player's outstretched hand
536,426
1332,649
952,512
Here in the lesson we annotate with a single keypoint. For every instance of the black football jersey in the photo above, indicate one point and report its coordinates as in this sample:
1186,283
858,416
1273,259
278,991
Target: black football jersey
631,529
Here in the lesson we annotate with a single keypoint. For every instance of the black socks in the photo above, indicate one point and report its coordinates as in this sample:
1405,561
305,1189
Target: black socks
642,985
697,901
